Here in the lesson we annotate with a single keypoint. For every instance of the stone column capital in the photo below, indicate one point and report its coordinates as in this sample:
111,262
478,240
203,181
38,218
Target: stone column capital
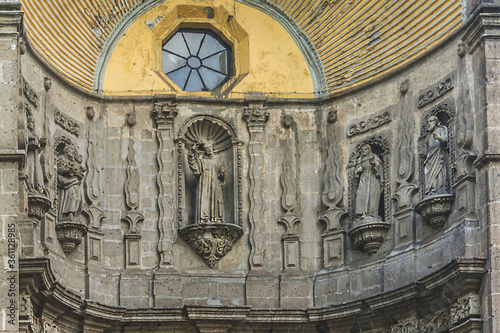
255,112
164,113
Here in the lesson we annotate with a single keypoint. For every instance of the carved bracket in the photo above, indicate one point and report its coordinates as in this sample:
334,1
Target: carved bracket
211,241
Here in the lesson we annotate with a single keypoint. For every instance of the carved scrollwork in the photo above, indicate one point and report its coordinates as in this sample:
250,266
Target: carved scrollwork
211,241
439,89
372,122
66,122
30,93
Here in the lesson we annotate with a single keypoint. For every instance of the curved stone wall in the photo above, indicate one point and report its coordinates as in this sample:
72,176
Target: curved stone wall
364,211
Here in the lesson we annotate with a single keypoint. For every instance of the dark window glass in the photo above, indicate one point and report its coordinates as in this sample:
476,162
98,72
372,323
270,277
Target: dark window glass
196,60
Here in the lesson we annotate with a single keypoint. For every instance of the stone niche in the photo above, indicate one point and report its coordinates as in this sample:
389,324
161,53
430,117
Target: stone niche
369,194
209,191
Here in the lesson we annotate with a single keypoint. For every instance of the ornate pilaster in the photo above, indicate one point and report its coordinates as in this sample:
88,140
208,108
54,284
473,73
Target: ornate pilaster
405,157
164,115
256,115
291,257
93,192
133,216
333,193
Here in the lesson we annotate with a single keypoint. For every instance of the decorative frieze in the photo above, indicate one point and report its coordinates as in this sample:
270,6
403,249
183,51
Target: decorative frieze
66,122
372,122
439,89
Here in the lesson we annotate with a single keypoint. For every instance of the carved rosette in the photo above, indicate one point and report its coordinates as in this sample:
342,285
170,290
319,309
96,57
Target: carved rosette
70,234
38,205
211,241
369,235
435,210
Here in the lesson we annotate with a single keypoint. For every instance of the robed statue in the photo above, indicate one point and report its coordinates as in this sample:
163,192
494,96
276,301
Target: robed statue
435,164
69,178
369,176
209,203
35,146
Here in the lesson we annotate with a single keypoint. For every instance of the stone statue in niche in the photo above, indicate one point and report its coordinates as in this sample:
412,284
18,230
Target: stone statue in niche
210,190
435,166
38,203
368,173
69,178
35,146
368,186
437,198
209,202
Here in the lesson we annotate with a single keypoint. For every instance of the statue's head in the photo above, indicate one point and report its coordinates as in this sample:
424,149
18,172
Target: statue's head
366,150
206,147
30,122
432,122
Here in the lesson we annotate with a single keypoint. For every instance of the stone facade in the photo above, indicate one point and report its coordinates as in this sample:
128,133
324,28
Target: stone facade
164,212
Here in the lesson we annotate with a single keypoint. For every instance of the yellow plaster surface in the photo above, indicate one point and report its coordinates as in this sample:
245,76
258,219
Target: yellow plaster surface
276,66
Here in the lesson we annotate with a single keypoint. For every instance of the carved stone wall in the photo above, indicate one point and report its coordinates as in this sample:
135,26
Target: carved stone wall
215,214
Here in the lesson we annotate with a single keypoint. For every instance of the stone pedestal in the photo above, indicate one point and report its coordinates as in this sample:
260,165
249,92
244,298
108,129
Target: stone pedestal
436,209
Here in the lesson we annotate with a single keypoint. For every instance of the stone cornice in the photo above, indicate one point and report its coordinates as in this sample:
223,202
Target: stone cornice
484,24
461,276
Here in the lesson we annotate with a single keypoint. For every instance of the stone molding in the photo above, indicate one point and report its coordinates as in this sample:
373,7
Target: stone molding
461,276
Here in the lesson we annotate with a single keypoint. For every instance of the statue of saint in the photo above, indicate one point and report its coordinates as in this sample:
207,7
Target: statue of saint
209,203
69,177
35,146
368,173
435,170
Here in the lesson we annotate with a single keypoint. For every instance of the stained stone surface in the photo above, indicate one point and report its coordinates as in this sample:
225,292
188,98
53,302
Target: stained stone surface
288,190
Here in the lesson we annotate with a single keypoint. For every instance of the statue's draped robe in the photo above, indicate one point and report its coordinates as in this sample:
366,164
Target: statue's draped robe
209,203
35,176
434,164
369,186
69,187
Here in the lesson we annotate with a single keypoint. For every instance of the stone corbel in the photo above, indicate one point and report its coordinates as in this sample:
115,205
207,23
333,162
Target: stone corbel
256,115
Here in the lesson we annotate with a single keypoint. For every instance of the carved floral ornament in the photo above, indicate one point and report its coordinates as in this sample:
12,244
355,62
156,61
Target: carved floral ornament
210,193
